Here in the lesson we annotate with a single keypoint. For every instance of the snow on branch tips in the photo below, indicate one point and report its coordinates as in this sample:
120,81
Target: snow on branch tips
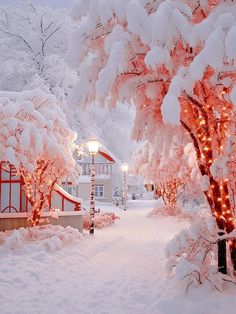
33,44
36,139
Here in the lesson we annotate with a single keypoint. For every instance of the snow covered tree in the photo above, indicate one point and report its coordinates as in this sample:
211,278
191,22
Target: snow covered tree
33,43
162,162
176,61
34,40
36,139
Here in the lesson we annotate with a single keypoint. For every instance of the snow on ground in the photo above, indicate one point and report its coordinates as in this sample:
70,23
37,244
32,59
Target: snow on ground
121,270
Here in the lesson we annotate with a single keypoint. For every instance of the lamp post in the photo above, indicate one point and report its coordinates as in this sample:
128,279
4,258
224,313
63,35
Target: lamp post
93,149
124,168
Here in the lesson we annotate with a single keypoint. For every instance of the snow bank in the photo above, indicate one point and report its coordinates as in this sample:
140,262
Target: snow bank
192,255
119,270
47,238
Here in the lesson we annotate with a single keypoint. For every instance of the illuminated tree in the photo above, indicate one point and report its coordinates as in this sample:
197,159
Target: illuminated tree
36,139
176,61
162,162
34,40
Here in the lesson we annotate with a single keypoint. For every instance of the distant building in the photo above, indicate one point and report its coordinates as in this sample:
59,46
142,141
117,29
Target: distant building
103,179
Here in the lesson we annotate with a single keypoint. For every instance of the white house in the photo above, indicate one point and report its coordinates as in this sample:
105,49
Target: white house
103,180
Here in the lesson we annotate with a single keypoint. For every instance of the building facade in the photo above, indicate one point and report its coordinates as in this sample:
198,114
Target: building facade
103,178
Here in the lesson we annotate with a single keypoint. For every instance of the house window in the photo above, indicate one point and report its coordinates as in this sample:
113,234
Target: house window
69,190
99,191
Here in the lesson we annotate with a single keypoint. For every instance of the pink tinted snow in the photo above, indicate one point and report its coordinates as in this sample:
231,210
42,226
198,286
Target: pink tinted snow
121,270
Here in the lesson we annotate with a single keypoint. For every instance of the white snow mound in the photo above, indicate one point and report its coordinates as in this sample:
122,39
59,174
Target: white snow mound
47,238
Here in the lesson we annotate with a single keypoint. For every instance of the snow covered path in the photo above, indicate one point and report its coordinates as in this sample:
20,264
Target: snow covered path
118,271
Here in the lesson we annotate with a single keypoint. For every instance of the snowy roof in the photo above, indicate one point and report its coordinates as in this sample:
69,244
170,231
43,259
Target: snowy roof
104,152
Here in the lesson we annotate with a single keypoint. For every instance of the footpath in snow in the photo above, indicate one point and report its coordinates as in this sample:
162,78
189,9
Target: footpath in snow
121,270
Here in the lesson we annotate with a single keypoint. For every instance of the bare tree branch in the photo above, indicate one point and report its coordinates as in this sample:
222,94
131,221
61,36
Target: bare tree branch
50,35
18,36
45,29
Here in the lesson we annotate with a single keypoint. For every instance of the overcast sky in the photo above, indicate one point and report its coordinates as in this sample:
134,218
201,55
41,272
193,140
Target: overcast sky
52,3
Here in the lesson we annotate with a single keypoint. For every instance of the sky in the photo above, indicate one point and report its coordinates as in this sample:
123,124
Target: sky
52,3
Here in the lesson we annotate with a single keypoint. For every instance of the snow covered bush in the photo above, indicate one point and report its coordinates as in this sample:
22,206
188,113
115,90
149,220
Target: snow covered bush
175,60
192,254
36,139
165,210
47,238
101,220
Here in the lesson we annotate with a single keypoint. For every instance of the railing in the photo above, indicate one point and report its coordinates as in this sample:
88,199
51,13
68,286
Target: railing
14,200
12,197
64,201
101,168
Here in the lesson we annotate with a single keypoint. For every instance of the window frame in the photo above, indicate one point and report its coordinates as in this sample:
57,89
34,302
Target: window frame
99,188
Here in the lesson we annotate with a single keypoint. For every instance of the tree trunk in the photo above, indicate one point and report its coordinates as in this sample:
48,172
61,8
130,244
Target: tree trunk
216,209
219,199
232,248
218,194
222,256
37,209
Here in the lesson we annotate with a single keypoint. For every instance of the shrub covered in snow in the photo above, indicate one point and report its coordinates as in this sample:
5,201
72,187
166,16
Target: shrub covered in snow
101,220
47,238
192,254
164,210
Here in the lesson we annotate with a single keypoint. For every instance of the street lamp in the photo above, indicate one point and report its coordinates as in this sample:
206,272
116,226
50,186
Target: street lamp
124,168
93,149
